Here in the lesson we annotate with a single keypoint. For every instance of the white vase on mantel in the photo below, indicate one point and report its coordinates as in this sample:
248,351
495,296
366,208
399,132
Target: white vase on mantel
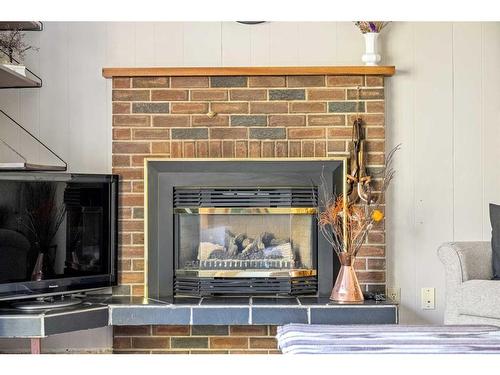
371,57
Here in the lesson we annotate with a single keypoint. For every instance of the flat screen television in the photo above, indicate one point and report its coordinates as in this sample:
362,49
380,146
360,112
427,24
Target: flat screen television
58,233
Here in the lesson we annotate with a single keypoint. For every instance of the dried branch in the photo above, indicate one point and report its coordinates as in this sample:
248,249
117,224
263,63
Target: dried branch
13,45
359,219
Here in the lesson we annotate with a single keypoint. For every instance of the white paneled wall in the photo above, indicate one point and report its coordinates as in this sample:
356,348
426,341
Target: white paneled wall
442,106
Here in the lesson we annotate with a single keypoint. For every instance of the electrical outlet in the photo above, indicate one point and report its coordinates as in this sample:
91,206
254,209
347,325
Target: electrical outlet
428,298
394,294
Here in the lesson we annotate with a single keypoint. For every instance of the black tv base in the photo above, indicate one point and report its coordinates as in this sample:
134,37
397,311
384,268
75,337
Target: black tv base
45,303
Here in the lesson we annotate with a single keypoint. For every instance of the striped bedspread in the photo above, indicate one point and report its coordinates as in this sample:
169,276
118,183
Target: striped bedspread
392,339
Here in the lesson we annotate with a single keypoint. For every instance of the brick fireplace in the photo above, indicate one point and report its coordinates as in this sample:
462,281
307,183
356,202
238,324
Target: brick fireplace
241,113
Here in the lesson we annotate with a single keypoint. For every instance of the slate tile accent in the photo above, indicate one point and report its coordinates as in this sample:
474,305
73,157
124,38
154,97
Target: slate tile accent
287,94
186,133
209,330
267,133
220,315
141,316
376,315
229,81
189,342
150,107
275,315
341,107
249,120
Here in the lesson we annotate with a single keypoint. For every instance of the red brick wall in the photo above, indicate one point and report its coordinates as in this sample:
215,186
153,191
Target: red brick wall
276,116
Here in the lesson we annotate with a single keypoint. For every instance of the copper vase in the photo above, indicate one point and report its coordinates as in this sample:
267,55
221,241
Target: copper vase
346,288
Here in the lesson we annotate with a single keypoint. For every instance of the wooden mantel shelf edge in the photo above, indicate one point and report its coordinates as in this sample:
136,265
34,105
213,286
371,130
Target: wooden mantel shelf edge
386,71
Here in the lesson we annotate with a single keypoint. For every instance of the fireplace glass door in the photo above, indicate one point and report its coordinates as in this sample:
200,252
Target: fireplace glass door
246,242
234,239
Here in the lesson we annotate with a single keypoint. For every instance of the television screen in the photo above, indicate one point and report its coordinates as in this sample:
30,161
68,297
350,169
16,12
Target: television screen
57,232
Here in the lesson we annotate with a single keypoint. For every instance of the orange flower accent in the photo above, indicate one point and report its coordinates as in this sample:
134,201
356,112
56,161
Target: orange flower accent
377,215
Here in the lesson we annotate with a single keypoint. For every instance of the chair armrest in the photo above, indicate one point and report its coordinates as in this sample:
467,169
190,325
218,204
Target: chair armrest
467,260
463,261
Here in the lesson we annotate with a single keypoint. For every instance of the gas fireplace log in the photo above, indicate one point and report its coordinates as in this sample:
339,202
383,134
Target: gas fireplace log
241,247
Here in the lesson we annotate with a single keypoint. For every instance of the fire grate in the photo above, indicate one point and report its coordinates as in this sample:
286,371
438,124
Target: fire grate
204,287
246,197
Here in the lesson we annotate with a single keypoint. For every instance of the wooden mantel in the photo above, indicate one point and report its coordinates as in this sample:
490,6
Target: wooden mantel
249,71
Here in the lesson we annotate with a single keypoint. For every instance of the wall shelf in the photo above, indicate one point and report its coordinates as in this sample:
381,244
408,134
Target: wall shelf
386,71
21,25
22,162
24,166
9,79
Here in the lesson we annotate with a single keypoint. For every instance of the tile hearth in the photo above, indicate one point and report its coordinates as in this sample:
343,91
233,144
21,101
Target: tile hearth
248,311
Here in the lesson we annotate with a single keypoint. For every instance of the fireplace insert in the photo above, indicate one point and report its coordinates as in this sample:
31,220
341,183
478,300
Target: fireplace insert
245,240
218,227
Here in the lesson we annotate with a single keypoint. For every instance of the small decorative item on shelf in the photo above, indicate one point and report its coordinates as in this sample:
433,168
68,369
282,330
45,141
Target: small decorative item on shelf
13,48
370,30
345,224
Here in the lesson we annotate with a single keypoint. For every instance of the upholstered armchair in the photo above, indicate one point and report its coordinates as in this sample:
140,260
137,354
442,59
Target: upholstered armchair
471,296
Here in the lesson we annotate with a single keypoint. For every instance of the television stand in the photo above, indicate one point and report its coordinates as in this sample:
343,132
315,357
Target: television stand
45,303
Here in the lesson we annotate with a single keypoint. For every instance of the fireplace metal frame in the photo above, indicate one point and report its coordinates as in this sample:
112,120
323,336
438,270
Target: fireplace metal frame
148,160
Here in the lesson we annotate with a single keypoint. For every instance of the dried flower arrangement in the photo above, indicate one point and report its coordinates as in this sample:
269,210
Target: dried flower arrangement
13,45
370,26
346,230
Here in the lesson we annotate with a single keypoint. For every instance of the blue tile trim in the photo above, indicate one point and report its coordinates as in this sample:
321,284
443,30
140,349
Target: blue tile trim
150,315
353,315
218,315
274,315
